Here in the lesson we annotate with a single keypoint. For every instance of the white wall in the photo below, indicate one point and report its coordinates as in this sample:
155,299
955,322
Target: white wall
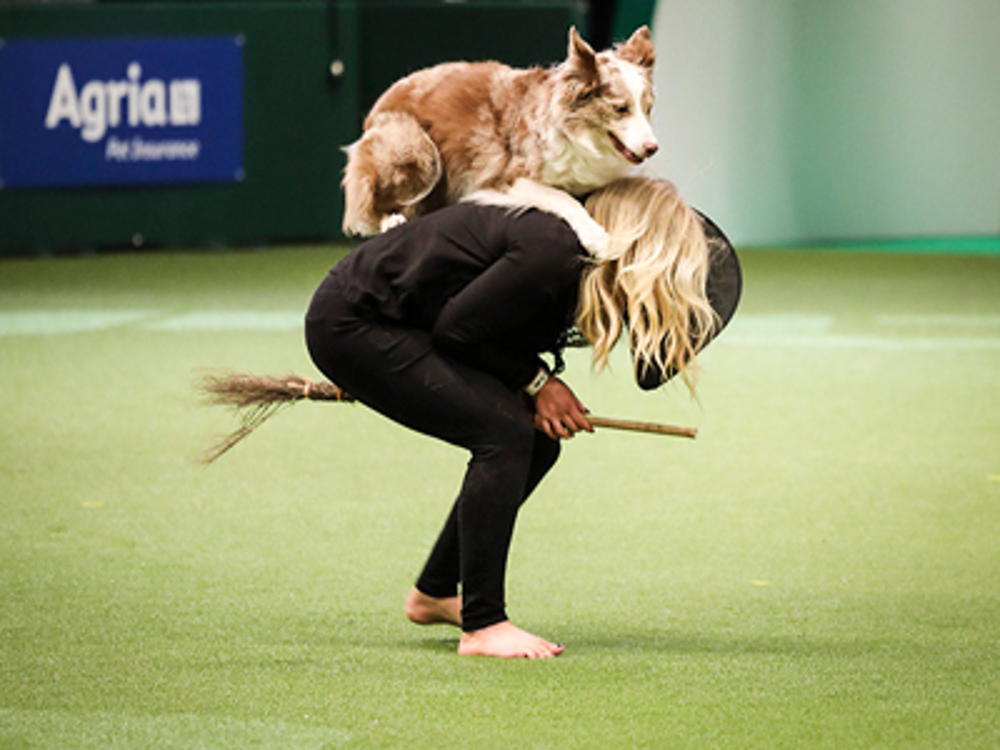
802,120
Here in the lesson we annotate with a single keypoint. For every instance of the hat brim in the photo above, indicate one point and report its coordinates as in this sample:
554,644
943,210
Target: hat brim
724,287
725,277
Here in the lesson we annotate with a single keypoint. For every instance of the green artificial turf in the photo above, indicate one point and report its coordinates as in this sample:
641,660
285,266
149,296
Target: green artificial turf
819,569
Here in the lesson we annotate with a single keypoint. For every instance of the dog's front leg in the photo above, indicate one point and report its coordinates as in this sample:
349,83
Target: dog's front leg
525,193
555,201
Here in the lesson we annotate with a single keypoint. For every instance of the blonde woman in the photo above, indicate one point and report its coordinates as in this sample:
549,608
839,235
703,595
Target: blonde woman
438,324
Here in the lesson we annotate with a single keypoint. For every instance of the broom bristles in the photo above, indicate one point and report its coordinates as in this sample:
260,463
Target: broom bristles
241,390
257,398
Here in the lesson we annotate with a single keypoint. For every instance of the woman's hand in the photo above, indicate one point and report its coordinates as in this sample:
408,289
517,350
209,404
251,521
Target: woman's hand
558,412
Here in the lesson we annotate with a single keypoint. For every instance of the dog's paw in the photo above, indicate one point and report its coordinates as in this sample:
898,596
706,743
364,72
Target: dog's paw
391,222
595,239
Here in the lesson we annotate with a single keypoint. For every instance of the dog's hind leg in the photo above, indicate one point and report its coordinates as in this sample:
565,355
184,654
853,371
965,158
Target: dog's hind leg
390,170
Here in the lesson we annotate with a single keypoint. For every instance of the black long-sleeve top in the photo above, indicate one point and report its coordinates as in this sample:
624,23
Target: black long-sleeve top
493,289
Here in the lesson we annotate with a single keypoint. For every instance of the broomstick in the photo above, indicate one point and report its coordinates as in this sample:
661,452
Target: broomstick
257,398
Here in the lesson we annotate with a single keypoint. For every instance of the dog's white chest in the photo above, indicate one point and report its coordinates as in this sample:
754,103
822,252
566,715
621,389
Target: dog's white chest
579,167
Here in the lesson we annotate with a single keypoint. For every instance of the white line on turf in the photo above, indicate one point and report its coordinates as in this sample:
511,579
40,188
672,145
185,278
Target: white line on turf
780,330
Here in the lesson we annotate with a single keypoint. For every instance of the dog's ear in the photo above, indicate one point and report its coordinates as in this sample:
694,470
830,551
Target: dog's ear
581,60
638,49
580,68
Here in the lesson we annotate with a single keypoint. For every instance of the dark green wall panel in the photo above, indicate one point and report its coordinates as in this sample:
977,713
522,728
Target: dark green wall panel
297,116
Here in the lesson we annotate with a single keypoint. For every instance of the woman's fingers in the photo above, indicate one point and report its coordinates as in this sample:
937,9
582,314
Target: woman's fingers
579,418
558,412
563,427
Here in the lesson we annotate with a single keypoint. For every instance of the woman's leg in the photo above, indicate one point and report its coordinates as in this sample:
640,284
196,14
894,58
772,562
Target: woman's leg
442,572
434,599
397,372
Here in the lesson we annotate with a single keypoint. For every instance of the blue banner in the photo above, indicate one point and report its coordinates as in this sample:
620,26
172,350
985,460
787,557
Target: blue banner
122,111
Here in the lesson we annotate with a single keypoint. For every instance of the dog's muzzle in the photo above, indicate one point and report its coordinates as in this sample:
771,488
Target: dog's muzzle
648,149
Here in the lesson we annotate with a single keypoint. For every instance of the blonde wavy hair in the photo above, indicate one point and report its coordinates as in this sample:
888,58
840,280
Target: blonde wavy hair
653,287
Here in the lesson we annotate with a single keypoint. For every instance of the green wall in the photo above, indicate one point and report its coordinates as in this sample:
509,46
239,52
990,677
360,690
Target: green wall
293,124
807,121
297,116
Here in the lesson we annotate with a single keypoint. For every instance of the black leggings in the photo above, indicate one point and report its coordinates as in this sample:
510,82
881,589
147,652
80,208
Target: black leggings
396,371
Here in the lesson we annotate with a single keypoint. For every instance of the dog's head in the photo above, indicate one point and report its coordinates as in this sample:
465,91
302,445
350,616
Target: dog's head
610,94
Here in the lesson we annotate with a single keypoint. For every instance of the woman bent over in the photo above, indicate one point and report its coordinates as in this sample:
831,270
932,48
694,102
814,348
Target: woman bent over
439,323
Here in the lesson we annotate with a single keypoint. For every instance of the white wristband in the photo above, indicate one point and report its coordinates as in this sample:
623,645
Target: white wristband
541,377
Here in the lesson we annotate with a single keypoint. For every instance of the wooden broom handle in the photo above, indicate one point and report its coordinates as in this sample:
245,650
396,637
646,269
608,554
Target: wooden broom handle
634,426
327,391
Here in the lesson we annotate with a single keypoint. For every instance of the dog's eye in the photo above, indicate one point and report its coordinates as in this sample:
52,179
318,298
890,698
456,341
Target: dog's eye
622,109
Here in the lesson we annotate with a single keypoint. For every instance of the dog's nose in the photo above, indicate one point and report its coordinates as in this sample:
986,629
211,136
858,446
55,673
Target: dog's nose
650,147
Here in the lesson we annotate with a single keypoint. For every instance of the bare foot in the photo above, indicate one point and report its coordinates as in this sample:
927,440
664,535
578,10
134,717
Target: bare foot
506,640
427,610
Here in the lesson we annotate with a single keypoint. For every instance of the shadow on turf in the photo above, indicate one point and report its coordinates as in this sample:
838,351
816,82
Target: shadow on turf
440,640
701,643
696,643
436,645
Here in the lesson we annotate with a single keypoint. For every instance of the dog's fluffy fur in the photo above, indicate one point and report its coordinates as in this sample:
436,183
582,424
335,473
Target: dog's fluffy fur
515,137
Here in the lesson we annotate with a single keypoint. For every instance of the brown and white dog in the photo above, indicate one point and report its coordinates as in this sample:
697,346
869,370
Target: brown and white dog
495,134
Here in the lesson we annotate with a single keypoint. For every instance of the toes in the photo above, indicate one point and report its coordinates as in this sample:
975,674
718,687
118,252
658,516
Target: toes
505,640
545,650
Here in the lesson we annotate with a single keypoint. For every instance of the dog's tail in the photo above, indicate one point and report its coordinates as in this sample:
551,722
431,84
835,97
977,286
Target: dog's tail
392,168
